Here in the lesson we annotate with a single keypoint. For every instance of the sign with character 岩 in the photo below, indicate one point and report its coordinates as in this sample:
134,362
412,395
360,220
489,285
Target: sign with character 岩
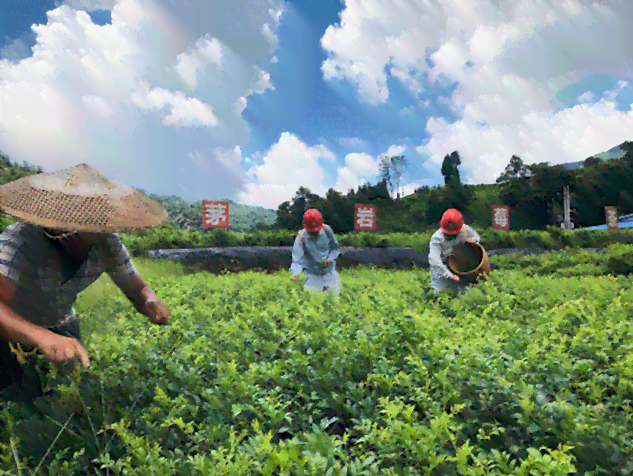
364,217
215,214
501,217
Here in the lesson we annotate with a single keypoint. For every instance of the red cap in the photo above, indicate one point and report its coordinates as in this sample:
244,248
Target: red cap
451,222
312,220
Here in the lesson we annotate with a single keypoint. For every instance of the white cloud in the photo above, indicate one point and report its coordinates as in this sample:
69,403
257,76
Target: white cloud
394,150
509,59
357,169
135,98
286,166
585,97
291,163
566,136
184,111
410,188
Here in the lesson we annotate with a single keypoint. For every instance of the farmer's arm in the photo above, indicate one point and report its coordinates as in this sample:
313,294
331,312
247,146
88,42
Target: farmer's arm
335,248
435,258
13,328
297,257
131,283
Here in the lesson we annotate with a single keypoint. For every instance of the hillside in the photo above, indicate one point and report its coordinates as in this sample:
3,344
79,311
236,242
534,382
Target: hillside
613,153
188,215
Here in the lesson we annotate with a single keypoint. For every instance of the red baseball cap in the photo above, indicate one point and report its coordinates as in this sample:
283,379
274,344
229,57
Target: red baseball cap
451,222
312,220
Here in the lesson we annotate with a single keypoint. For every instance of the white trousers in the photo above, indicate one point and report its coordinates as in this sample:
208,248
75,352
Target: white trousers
326,283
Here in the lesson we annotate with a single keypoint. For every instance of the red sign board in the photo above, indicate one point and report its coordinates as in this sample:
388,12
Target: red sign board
215,214
612,218
501,217
364,217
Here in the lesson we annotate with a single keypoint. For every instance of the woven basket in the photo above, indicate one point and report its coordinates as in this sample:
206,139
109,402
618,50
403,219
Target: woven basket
79,199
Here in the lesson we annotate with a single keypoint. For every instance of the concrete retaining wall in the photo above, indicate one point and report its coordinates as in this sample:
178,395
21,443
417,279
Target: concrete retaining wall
275,258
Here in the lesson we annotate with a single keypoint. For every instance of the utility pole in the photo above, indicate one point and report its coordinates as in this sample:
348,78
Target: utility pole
567,224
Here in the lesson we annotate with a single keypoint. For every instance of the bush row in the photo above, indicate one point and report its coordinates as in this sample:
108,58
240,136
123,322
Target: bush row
168,237
524,375
552,238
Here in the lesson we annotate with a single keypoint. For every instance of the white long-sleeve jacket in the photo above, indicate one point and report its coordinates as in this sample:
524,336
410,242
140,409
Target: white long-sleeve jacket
441,246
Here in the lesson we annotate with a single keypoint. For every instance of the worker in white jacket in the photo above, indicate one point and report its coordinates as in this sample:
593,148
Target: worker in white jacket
315,251
452,232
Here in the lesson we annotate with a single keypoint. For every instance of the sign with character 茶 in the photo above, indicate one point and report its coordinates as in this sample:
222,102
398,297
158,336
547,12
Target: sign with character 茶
364,217
611,214
501,217
215,214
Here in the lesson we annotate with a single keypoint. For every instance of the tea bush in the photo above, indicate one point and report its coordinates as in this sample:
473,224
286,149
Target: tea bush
526,374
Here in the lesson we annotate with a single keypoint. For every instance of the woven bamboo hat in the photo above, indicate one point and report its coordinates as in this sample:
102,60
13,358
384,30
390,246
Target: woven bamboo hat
79,199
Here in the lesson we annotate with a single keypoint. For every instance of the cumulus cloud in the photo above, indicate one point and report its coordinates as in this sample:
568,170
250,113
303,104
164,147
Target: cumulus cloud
151,97
287,165
291,163
508,59
394,150
357,169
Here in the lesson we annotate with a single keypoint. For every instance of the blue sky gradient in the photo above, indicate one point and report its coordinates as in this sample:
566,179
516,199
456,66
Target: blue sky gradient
301,118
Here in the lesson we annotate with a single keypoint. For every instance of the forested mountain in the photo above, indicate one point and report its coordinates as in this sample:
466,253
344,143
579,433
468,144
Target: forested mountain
188,215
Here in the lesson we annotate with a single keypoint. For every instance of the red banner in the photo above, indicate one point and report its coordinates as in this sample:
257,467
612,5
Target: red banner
364,217
611,214
501,217
215,214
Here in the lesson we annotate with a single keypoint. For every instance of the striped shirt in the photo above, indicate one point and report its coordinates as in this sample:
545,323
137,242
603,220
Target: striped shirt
46,288
306,258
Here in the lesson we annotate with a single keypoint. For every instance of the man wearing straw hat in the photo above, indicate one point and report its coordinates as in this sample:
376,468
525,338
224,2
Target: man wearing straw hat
65,238
452,232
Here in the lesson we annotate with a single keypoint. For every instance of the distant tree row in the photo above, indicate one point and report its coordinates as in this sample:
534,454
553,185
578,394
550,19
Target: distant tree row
533,192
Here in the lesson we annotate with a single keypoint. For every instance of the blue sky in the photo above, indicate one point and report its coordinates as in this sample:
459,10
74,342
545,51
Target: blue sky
212,100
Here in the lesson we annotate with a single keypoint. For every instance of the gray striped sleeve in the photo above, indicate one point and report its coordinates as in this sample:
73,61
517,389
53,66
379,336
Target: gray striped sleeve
121,265
14,259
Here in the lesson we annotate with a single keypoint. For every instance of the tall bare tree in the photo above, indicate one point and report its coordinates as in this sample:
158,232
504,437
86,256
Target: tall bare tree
391,171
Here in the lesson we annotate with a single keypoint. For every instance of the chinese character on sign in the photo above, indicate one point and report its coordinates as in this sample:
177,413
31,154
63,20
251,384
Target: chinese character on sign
612,218
500,217
215,214
365,217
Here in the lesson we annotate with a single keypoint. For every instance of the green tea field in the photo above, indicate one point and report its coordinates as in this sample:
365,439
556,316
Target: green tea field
530,373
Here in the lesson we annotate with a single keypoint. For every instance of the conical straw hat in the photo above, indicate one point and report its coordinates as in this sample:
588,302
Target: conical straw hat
79,199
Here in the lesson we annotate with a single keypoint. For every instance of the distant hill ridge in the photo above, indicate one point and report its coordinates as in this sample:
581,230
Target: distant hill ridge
613,153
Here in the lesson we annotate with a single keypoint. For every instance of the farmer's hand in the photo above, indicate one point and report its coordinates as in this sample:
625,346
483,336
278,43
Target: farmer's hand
58,348
325,263
156,311
454,277
294,277
472,241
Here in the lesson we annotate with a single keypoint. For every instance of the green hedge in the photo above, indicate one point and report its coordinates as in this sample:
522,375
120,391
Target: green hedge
524,375
553,238
167,237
